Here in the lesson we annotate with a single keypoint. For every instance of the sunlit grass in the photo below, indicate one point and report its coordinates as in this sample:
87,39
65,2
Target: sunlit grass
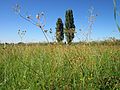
56,67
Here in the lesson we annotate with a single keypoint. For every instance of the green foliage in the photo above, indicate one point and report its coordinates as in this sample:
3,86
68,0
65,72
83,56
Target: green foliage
69,26
59,30
59,67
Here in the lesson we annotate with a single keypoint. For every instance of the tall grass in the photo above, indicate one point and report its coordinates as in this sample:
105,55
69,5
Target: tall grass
60,67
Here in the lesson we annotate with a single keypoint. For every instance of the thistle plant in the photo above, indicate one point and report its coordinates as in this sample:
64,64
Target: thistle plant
40,22
21,34
91,19
51,34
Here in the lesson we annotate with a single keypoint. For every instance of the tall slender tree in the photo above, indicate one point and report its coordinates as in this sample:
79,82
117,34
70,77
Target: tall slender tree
59,30
69,26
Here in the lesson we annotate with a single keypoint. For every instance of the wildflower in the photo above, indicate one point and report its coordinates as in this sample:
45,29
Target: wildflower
38,16
91,77
50,30
17,8
42,13
19,31
37,24
80,29
28,17
5,44
45,31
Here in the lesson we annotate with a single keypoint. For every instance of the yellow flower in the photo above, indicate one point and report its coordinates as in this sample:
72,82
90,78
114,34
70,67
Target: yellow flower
91,77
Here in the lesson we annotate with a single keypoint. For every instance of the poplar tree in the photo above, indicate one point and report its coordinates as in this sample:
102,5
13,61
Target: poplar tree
59,30
69,26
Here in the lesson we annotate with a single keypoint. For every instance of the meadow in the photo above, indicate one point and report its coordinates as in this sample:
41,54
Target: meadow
60,67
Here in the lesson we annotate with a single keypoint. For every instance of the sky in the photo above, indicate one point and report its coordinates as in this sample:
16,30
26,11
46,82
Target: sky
104,25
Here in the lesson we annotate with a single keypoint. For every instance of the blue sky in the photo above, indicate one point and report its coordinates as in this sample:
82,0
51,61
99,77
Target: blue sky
53,9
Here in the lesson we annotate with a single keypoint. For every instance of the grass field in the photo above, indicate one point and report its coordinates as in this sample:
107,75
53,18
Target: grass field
60,67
